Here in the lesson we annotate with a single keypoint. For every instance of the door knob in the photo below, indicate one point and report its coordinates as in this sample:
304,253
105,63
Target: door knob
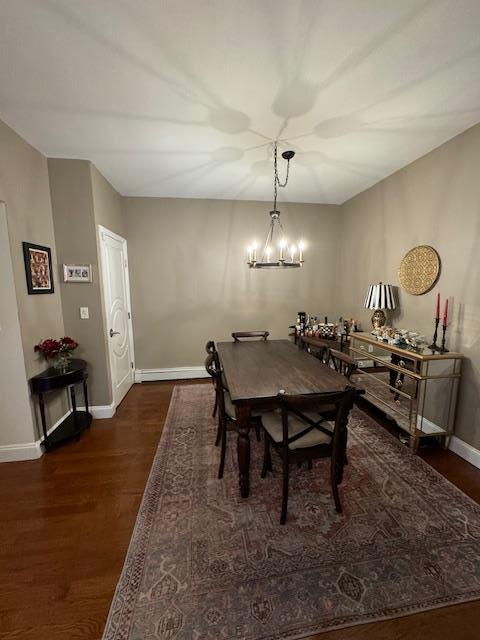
114,333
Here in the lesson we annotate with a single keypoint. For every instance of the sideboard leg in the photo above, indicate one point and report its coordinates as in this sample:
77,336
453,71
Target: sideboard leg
414,442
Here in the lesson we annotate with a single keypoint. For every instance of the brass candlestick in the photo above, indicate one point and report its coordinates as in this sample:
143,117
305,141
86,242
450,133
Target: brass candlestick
434,347
442,348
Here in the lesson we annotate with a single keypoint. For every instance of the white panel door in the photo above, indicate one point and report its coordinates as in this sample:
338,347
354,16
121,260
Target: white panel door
117,311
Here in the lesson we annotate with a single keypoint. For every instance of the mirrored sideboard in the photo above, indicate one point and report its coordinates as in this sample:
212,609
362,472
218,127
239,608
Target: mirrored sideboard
418,390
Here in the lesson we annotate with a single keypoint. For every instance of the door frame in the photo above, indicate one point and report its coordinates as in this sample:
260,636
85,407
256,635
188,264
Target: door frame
104,283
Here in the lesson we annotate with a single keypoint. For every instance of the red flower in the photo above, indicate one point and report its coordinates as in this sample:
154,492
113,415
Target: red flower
51,347
69,342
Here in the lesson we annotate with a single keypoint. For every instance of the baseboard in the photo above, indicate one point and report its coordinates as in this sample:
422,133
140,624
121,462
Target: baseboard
101,411
176,373
465,451
19,452
461,448
27,450
33,450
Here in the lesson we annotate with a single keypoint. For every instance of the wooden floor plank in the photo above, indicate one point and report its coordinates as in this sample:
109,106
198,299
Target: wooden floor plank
67,520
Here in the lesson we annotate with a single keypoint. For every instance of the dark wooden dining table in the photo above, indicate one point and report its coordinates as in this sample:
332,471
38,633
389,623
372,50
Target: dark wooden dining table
256,371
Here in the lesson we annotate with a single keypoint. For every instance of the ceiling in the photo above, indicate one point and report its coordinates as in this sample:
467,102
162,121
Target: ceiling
181,98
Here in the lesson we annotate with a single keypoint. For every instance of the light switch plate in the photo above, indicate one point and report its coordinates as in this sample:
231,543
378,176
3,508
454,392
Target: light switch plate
84,313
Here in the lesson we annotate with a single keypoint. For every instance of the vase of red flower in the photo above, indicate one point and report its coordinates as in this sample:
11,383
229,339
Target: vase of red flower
57,351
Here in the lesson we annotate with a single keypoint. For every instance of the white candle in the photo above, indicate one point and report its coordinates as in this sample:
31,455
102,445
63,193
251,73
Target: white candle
268,251
293,250
301,247
283,244
254,248
250,254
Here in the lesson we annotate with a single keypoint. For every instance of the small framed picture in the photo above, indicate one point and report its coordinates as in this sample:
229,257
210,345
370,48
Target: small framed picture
77,273
38,268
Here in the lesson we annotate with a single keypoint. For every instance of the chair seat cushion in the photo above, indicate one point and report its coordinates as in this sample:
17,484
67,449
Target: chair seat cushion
272,423
230,407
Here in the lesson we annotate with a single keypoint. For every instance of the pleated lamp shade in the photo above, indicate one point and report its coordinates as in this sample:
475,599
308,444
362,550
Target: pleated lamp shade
379,296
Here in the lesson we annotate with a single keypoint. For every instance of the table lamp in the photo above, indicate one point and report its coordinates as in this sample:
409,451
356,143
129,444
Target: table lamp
379,296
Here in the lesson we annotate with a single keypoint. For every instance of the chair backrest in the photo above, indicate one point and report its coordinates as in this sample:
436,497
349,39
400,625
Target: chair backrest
210,347
341,362
317,347
341,402
212,365
239,335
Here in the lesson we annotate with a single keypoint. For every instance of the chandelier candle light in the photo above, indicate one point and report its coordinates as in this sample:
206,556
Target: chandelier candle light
287,255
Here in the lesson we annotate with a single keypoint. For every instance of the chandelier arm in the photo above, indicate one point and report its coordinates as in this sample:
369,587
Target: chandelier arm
268,240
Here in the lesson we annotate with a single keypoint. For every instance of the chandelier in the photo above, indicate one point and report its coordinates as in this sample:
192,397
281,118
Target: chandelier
276,251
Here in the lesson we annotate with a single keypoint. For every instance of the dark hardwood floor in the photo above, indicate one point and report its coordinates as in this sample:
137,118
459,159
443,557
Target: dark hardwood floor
67,519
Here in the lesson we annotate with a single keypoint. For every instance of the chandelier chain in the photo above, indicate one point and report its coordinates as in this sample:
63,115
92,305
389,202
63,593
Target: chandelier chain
276,179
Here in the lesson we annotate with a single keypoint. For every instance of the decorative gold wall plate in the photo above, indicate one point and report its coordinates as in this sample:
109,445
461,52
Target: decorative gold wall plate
419,270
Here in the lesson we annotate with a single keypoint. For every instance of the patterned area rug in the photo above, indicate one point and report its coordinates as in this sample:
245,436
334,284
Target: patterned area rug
204,564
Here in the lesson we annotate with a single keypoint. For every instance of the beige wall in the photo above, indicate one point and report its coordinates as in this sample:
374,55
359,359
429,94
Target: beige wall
435,201
25,189
107,204
74,219
15,412
190,281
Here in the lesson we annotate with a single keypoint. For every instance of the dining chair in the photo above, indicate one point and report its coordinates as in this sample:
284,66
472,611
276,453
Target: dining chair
344,364
298,433
238,336
341,362
212,365
211,349
226,410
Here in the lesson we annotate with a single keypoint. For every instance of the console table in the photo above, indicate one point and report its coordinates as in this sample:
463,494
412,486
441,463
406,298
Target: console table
417,389
52,379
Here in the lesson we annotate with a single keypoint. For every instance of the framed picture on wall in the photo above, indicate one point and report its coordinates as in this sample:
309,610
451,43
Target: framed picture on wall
38,268
77,273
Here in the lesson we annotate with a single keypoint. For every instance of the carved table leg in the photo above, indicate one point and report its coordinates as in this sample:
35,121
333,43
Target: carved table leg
242,412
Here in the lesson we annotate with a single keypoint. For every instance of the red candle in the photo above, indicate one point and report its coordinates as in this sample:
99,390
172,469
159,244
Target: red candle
437,315
445,313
